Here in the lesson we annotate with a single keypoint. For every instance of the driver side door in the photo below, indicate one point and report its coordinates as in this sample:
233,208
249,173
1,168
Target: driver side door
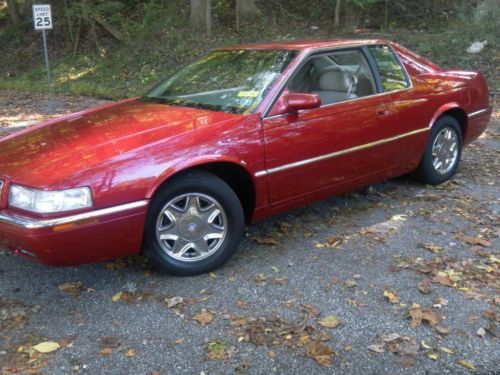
337,146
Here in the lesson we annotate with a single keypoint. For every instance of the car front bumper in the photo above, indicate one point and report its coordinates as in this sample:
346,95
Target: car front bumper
76,239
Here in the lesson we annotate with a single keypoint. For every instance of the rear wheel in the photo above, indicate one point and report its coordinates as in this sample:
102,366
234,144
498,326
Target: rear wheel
442,153
194,224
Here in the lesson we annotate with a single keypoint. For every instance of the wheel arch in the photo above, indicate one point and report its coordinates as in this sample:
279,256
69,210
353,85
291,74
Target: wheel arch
454,110
234,174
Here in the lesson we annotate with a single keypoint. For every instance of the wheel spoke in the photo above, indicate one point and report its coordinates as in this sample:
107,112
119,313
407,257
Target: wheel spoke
171,215
201,246
168,235
214,234
192,205
181,246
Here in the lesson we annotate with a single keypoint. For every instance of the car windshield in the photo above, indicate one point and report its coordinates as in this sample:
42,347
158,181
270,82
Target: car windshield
232,81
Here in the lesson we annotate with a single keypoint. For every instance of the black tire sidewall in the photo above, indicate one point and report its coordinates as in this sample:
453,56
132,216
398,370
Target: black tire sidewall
194,182
426,171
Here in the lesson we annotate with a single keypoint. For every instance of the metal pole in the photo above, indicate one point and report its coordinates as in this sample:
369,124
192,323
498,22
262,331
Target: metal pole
46,57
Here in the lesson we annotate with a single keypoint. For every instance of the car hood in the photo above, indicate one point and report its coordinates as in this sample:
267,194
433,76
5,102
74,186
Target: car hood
78,141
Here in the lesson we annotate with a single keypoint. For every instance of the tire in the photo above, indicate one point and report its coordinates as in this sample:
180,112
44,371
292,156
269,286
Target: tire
205,215
439,166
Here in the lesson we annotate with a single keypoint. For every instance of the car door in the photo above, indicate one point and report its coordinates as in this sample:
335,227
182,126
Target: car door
409,104
341,142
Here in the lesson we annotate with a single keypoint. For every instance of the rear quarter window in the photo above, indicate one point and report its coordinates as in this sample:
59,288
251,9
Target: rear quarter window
392,74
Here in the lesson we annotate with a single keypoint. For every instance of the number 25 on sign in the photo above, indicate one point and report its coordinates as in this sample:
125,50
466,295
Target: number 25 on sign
42,19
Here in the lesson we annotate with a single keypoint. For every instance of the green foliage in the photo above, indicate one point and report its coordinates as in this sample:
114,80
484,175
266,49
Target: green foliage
159,38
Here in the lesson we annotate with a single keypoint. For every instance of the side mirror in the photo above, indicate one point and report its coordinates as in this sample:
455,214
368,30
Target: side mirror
298,101
291,102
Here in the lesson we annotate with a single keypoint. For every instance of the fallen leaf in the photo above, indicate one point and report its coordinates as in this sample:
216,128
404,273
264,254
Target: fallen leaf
321,353
424,287
47,347
391,296
72,287
260,278
204,318
311,310
466,364
330,322
117,297
239,323
481,332
266,241
280,281
425,345
490,314
356,303
447,351
105,351
419,315
130,353
179,341
475,241
174,301
377,348
431,247
443,330
242,304
399,217
275,269
433,355
217,350
349,284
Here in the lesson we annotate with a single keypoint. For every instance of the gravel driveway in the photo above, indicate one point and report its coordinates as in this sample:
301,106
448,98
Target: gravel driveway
398,278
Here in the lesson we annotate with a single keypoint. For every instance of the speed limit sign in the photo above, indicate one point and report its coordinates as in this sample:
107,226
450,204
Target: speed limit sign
42,16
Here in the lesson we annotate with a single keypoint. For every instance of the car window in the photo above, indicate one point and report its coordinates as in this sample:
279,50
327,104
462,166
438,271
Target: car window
232,81
336,77
391,72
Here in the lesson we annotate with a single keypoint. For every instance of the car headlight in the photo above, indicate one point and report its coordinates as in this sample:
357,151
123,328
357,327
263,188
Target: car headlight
46,202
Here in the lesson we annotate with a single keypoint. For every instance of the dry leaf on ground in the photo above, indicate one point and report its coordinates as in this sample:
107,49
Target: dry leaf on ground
47,347
329,322
204,317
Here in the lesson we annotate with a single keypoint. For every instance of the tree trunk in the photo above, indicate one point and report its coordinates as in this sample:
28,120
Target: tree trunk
247,8
486,10
201,15
337,13
14,12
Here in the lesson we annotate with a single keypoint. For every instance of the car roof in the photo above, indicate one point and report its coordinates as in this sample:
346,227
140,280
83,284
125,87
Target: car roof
302,45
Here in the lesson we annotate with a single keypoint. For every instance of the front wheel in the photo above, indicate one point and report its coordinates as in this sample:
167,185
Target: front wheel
194,224
442,153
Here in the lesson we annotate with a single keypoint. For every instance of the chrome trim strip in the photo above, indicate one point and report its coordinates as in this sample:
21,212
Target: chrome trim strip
29,223
338,153
480,112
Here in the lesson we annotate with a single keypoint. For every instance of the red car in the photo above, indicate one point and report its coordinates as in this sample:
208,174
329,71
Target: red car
240,135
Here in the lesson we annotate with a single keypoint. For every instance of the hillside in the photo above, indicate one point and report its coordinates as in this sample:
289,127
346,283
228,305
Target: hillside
113,49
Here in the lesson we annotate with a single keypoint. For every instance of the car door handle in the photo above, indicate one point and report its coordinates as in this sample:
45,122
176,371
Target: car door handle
384,113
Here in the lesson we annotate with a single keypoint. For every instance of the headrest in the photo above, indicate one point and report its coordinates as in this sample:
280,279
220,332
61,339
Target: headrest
335,80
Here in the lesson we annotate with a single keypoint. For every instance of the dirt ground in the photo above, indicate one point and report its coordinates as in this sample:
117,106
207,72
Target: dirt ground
399,278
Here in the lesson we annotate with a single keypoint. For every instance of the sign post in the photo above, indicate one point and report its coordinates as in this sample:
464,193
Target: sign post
42,19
